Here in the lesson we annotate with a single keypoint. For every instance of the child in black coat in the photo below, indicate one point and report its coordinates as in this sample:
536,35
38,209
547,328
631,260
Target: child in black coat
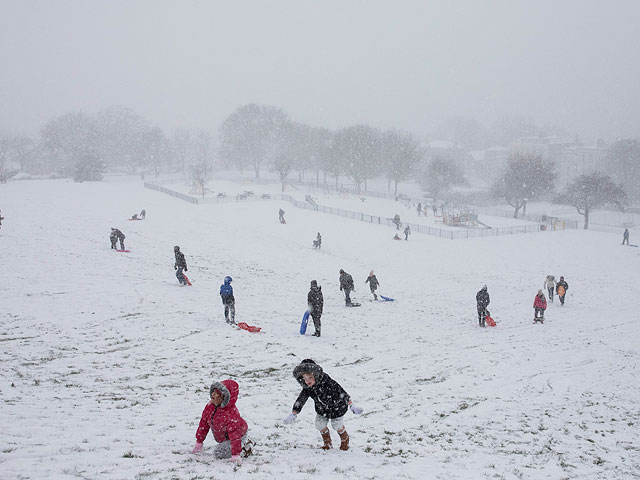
331,402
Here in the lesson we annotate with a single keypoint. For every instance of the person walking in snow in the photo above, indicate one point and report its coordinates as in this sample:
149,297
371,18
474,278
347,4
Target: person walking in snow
114,239
407,232
330,399
539,306
625,236
1,218
396,221
346,285
315,302
281,216
119,236
228,300
180,265
221,416
419,209
482,302
550,285
561,289
143,214
373,284
317,243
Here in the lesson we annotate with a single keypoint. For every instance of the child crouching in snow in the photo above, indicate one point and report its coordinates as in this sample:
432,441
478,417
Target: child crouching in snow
222,417
331,402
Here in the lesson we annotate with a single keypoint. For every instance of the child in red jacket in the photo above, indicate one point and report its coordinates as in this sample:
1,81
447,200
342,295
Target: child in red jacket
539,305
222,417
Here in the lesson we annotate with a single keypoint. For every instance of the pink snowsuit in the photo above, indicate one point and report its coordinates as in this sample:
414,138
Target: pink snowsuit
224,421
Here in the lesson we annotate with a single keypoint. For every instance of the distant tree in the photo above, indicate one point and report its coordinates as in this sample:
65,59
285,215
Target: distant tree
23,148
440,175
155,149
588,192
359,149
5,146
250,135
199,174
182,144
402,154
89,169
119,136
70,139
624,158
526,177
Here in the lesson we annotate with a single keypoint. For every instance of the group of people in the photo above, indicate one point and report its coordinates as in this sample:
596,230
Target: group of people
539,302
115,236
222,417
141,216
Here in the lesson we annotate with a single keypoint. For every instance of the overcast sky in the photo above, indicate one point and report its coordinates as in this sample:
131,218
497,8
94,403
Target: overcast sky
395,63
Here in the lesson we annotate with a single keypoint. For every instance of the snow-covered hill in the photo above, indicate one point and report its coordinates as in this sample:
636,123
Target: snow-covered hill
106,362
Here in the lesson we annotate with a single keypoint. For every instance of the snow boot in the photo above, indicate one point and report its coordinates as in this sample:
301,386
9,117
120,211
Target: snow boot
344,440
327,440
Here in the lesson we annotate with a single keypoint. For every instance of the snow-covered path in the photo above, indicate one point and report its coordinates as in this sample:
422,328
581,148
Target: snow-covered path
106,362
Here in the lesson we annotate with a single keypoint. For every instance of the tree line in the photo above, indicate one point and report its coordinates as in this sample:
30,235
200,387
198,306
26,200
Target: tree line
257,137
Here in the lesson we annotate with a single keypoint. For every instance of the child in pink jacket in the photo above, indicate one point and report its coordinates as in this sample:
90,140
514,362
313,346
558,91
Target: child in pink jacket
221,416
539,305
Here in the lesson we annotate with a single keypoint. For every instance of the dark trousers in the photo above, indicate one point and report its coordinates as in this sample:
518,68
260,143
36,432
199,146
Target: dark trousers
539,313
180,276
625,240
114,241
230,308
121,244
561,299
373,292
482,313
550,290
316,322
347,297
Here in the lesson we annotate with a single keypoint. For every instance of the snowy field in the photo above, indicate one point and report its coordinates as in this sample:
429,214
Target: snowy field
106,362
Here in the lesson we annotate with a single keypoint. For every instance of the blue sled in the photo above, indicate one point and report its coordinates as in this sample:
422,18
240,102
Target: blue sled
387,299
305,320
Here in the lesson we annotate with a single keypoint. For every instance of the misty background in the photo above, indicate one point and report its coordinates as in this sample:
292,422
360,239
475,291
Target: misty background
495,79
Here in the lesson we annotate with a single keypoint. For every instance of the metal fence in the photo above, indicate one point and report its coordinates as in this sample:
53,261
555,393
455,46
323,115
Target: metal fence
365,217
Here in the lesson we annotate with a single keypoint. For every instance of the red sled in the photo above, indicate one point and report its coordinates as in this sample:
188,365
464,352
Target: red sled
186,279
123,251
249,328
490,321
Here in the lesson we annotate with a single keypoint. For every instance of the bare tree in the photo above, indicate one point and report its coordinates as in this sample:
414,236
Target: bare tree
588,192
526,177
402,154
249,136
439,175
358,148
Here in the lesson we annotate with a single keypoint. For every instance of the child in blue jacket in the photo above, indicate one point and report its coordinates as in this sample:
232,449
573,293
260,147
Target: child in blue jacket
229,302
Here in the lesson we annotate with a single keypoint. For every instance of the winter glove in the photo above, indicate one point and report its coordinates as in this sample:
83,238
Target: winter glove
175,268
197,448
290,418
186,269
236,459
356,410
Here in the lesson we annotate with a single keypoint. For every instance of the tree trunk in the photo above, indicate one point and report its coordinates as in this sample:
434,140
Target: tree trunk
395,191
586,218
516,210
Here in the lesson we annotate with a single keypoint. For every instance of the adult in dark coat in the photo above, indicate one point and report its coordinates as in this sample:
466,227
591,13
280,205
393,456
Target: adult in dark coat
625,236
373,284
119,235
315,301
482,302
346,285
561,289
180,265
330,399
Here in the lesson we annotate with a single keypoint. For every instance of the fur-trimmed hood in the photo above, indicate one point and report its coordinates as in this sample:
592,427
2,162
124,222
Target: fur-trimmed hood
307,366
229,390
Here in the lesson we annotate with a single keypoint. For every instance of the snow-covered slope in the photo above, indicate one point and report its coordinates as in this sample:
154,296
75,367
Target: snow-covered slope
106,362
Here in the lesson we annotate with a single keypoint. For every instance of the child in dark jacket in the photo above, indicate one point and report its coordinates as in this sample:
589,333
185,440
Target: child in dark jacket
373,284
228,300
331,402
221,416
315,301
